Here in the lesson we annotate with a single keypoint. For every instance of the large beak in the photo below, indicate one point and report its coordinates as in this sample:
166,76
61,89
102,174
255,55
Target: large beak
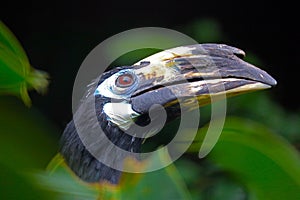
195,72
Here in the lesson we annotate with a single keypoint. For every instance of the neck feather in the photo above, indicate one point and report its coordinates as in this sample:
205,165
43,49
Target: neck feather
80,160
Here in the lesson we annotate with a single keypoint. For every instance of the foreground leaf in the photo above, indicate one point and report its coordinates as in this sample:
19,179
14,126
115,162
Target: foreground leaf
165,183
266,164
61,182
15,185
26,143
26,137
17,76
258,106
162,184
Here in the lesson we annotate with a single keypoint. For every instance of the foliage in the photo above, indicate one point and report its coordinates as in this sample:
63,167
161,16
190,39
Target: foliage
266,164
66,185
17,76
250,161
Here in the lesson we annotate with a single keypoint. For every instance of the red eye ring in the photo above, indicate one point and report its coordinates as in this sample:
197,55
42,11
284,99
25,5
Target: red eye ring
124,80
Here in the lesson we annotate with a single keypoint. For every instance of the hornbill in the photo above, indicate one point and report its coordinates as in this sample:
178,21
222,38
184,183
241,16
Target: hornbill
183,72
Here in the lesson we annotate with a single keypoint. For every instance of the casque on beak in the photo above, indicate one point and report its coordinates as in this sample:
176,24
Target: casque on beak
196,71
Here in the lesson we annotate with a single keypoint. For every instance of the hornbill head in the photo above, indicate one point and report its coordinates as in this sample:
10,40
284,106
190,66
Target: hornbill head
124,95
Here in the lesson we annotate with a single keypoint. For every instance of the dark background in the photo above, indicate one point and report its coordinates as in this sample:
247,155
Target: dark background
58,35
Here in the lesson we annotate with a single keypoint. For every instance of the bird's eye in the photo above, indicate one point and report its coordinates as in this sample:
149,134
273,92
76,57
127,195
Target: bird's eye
124,80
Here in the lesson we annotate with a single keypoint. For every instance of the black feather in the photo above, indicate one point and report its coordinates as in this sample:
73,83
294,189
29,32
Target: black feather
78,158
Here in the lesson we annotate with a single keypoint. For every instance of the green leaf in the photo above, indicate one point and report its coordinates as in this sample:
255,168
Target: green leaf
266,164
258,106
162,184
26,137
26,143
17,76
14,185
166,183
62,182
9,42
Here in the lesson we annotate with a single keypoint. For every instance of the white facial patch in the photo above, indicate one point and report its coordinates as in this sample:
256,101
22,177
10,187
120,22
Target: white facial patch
120,114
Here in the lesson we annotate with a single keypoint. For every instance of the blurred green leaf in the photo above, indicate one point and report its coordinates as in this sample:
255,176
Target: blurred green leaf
225,189
260,107
265,163
27,142
62,183
27,139
14,185
166,183
17,76
10,42
162,184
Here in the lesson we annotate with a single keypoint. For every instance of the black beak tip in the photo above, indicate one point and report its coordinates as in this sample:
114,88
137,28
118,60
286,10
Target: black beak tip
269,80
273,82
